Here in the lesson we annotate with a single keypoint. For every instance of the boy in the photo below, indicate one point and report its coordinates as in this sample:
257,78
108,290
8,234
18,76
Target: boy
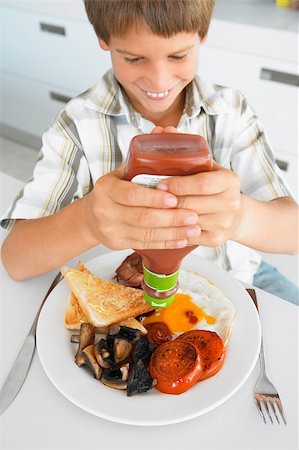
77,198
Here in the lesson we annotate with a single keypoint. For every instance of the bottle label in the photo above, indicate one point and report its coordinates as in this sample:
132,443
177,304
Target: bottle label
150,181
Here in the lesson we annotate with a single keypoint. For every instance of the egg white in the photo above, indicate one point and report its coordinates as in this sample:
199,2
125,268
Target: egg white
212,300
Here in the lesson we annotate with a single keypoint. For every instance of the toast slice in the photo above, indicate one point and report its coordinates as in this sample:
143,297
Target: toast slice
74,314
100,302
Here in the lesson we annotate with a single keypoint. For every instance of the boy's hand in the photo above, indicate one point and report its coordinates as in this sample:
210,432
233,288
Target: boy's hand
121,214
215,197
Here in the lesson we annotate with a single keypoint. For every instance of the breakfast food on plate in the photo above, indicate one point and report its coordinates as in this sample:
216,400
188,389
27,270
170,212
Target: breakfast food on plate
74,314
211,348
130,272
176,365
171,348
86,338
157,333
199,304
119,360
101,302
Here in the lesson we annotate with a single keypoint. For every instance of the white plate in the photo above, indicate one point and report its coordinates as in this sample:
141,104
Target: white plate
152,408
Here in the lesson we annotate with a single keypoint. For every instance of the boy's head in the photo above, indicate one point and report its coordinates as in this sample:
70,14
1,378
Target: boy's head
154,49
162,17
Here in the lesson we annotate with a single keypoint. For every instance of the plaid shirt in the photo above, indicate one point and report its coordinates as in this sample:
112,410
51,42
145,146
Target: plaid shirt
91,136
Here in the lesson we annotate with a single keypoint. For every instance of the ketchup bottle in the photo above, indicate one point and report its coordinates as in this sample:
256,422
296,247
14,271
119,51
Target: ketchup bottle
152,158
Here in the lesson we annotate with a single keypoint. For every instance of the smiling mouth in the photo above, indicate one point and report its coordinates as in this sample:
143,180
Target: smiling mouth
156,95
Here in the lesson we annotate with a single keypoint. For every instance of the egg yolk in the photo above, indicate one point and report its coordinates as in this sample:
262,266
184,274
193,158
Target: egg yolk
182,315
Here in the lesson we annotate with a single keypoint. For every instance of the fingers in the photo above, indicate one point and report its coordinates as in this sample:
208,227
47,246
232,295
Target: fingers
130,194
118,223
156,228
207,239
163,245
168,129
150,238
171,129
211,204
120,171
155,218
205,183
169,237
157,130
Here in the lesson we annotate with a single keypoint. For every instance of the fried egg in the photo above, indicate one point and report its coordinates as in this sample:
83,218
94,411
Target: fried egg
198,305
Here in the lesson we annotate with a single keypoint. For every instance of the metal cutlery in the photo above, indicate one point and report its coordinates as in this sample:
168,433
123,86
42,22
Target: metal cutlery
266,397
20,368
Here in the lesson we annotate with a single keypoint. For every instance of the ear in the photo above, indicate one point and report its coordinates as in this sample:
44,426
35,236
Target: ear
103,44
203,40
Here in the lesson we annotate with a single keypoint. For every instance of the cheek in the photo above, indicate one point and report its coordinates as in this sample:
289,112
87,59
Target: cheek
187,71
122,70
126,74
192,63
191,67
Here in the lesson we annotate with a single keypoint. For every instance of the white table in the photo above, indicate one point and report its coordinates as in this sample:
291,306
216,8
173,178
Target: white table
41,418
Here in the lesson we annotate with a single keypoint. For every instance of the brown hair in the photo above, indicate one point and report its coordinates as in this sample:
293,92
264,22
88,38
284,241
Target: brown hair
163,17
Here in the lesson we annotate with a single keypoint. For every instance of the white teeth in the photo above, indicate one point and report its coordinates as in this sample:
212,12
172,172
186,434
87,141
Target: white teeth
157,94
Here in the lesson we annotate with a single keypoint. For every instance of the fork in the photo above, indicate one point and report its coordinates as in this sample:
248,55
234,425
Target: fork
266,396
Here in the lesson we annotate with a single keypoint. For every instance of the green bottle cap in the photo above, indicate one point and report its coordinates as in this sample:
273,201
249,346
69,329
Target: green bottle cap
161,284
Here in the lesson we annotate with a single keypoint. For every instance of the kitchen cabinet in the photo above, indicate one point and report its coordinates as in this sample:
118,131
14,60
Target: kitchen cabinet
30,105
53,50
47,58
44,62
270,83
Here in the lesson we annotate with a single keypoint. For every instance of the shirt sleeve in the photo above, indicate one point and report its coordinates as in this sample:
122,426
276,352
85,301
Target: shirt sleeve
60,176
253,160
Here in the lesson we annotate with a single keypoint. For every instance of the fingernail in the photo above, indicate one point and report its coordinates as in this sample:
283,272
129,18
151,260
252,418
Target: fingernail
170,201
181,243
191,219
162,187
194,231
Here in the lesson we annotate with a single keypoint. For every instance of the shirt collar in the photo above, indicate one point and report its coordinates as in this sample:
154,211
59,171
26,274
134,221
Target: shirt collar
204,95
108,98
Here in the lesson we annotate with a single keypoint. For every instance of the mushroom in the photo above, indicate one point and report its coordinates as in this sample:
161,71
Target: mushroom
124,371
122,332
128,333
139,379
104,355
90,359
142,350
122,349
135,324
86,337
113,378
113,330
75,338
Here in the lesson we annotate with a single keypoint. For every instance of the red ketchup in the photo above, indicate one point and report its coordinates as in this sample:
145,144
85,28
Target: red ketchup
151,158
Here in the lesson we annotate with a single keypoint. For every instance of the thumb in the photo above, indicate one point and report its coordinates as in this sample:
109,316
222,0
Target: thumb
216,166
120,171
157,130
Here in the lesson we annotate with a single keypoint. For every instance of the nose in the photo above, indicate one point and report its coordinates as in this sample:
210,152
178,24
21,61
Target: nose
159,77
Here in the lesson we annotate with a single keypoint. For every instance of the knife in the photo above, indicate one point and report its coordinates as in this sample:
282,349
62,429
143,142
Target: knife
252,294
20,368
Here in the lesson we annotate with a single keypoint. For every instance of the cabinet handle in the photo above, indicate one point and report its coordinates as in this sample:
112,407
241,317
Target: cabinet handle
55,29
283,165
279,77
60,97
